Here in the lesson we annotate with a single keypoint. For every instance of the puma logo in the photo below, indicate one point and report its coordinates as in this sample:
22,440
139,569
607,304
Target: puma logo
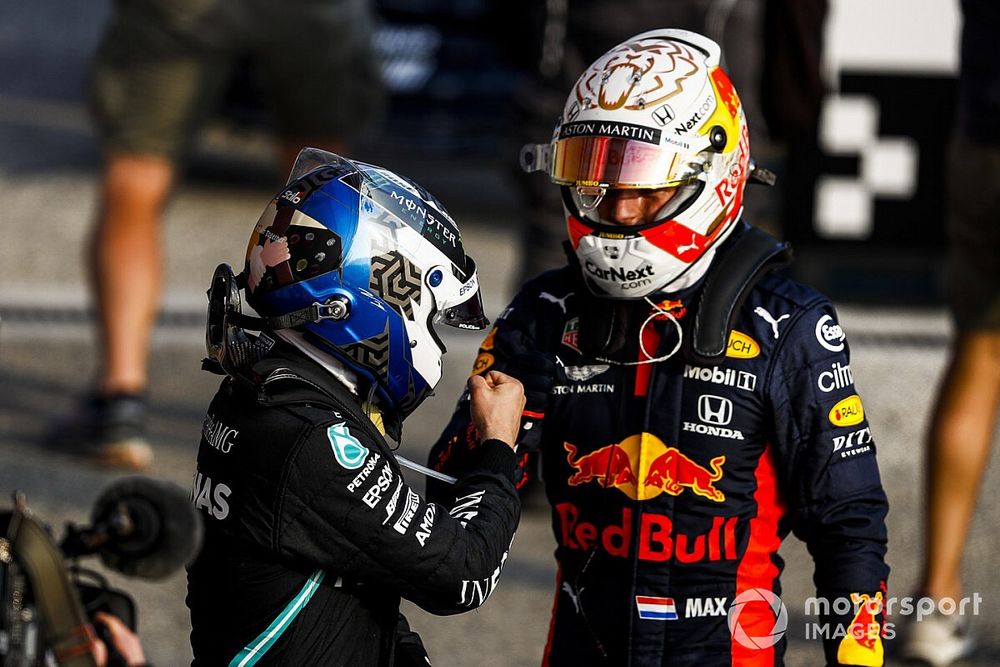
573,596
554,299
766,316
681,249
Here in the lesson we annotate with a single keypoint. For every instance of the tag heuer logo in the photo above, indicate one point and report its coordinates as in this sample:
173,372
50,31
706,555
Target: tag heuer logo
571,334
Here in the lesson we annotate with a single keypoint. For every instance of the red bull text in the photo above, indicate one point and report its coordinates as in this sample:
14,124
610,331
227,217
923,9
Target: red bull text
656,541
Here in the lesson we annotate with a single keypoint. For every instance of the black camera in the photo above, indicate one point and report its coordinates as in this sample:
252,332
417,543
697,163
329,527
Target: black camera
139,526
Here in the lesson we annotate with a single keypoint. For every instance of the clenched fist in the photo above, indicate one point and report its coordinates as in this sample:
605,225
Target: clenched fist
497,402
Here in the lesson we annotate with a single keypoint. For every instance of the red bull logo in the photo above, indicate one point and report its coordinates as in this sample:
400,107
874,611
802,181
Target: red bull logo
862,645
642,467
657,540
609,466
674,307
673,472
729,187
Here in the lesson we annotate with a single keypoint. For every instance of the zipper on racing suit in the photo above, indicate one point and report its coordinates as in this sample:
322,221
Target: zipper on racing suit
659,382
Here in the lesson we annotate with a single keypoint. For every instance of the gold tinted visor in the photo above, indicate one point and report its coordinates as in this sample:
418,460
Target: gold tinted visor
615,162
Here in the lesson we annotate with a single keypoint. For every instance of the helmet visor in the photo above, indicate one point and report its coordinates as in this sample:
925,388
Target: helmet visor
616,162
588,204
465,310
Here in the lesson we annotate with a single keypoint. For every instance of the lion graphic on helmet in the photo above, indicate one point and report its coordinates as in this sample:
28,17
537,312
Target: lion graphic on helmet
633,76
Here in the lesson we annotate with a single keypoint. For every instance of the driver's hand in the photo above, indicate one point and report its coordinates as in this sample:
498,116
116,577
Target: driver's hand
497,402
123,639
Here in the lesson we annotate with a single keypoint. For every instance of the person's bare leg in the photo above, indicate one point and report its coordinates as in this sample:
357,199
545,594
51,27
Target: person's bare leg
126,266
959,443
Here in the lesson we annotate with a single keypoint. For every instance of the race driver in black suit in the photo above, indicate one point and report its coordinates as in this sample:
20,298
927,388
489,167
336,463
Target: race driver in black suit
312,534
690,406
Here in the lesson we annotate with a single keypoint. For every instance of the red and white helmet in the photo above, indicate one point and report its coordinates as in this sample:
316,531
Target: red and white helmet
655,111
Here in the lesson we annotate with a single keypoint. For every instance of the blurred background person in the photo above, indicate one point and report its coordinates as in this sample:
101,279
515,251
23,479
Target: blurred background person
159,72
963,422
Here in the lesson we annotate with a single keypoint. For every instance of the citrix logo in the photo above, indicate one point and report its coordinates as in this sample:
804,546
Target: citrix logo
838,377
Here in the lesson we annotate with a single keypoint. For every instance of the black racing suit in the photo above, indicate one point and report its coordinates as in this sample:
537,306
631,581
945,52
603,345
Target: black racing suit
312,535
673,484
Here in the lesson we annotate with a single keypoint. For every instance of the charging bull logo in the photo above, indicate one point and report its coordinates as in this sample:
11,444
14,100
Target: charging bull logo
637,75
642,467
862,645
609,466
673,471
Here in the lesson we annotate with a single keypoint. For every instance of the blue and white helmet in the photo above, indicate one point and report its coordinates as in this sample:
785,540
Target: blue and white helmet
377,252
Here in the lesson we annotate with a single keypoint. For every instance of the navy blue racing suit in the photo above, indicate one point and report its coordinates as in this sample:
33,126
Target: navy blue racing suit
673,484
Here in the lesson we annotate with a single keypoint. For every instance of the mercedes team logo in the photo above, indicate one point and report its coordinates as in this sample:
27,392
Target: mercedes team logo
757,596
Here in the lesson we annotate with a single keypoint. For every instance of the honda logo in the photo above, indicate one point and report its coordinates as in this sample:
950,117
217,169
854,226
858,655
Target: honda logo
715,409
663,115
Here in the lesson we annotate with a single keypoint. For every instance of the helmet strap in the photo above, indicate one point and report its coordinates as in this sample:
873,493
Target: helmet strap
741,263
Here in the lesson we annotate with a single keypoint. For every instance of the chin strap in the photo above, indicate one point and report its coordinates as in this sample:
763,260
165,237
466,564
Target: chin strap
336,308
231,348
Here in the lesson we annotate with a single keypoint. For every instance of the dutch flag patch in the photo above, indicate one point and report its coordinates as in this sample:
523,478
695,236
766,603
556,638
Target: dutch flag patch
655,609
